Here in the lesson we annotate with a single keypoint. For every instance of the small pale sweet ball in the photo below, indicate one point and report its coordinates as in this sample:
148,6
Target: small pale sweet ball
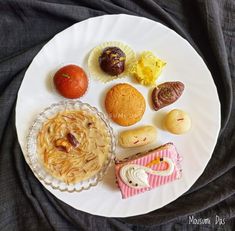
177,122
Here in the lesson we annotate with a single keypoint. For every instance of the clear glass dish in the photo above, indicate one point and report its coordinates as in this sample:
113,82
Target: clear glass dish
35,160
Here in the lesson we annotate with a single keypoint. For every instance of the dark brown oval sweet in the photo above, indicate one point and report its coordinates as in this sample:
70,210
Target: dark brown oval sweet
166,94
112,61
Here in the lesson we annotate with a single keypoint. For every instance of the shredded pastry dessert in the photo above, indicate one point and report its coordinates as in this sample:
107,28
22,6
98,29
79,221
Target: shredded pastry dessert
73,145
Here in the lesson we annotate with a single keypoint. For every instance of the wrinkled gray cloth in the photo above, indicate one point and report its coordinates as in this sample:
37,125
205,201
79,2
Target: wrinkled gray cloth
26,25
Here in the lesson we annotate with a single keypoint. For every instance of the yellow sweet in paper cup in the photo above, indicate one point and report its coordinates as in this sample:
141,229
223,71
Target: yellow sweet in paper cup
94,66
147,68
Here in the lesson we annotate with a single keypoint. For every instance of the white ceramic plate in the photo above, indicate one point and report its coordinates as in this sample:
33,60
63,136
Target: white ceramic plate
199,99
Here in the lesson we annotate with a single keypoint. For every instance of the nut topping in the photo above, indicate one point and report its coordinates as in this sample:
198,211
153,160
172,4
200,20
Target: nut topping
72,140
63,145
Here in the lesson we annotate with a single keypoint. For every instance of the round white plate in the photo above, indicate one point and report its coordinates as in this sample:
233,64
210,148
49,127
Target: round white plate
199,99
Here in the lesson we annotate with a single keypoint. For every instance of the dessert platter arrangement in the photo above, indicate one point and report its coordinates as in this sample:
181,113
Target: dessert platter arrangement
117,123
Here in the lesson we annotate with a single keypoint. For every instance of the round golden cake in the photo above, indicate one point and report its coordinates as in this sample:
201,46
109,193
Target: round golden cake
124,104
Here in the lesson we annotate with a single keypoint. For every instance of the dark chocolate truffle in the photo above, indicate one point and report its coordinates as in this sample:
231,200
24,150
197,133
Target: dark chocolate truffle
112,61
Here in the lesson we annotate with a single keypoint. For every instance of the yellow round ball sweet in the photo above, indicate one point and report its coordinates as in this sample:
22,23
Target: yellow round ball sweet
177,122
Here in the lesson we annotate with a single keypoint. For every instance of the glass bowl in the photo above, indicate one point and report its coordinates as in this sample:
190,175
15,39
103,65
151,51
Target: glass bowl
35,160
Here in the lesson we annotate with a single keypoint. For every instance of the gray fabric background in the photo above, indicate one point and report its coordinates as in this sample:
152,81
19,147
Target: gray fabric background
26,25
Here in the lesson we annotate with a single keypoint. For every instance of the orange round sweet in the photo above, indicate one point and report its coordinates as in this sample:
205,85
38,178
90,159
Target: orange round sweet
125,104
71,81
